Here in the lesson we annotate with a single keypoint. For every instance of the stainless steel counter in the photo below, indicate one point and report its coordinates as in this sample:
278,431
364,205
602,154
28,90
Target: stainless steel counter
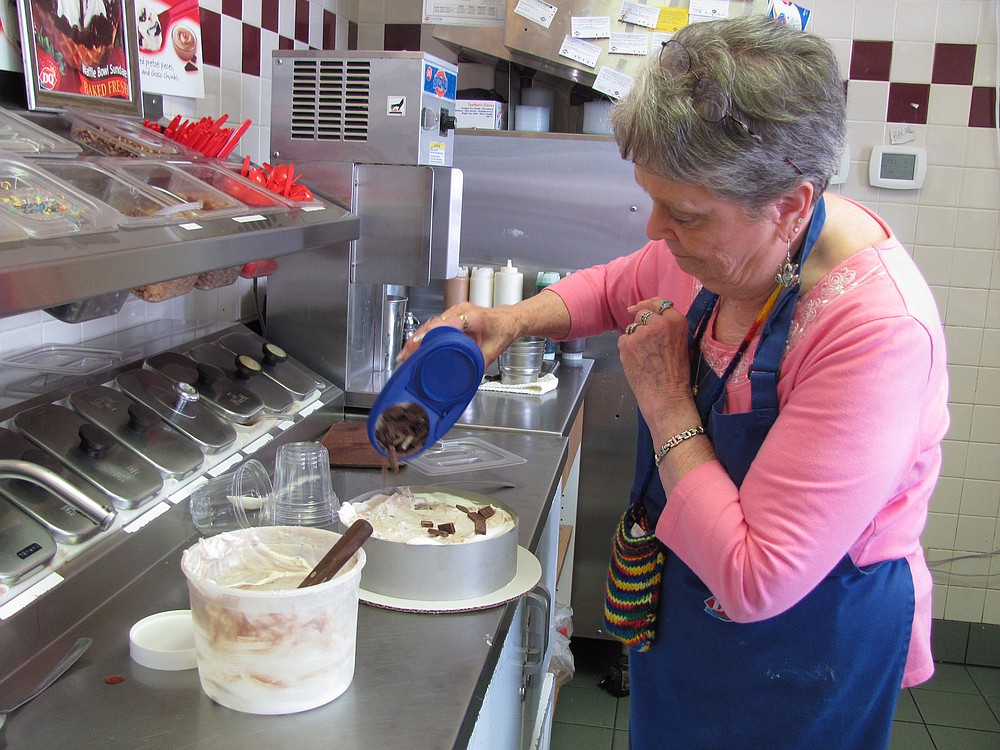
419,682
551,413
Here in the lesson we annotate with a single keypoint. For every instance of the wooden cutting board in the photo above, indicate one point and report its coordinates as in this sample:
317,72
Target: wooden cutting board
349,446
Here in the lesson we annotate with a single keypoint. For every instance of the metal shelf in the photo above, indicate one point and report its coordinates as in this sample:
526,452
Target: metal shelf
38,274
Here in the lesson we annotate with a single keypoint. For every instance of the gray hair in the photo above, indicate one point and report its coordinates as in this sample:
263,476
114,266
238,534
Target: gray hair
786,88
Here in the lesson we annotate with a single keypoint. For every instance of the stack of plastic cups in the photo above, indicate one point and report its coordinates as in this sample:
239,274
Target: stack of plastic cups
303,490
542,280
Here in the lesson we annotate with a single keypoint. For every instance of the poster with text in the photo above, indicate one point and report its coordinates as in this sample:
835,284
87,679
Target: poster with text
80,53
169,40
10,39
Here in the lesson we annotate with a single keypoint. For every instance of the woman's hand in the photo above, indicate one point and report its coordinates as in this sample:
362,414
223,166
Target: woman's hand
654,355
492,328
495,328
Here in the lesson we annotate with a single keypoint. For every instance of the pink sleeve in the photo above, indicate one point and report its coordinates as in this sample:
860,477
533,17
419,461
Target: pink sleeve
598,297
856,439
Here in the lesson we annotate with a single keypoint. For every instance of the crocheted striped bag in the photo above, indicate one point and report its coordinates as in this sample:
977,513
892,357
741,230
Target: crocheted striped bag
632,592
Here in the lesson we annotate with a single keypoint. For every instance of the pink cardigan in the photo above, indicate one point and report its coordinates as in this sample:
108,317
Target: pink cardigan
851,462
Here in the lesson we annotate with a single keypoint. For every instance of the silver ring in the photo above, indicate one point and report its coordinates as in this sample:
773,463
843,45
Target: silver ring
630,328
646,315
665,305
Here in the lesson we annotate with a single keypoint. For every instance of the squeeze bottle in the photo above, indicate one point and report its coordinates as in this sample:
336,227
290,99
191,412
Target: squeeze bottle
508,283
481,286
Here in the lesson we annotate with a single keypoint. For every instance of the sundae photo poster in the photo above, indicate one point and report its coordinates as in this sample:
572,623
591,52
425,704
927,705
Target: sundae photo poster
168,33
81,53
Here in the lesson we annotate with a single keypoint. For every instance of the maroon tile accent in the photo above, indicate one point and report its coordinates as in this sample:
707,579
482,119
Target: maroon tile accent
902,97
402,36
302,21
982,113
329,30
870,61
269,15
352,35
953,63
211,35
232,8
251,50
285,43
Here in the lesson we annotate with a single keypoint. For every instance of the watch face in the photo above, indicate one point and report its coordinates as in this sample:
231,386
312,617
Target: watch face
898,166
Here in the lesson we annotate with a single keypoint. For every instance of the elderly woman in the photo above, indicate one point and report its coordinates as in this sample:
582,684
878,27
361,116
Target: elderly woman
789,366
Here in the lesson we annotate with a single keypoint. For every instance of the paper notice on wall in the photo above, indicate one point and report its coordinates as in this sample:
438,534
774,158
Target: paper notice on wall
672,20
628,44
640,15
582,52
170,56
481,13
707,10
536,10
612,82
588,27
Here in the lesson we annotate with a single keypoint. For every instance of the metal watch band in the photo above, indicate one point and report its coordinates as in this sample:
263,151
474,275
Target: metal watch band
676,440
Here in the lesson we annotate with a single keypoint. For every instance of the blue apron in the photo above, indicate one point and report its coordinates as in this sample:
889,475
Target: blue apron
824,674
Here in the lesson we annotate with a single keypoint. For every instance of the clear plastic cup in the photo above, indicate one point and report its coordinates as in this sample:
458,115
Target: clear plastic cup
263,645
237,500
303,491
521,362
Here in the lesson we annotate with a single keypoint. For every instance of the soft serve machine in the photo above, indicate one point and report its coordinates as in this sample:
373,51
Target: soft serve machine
375,131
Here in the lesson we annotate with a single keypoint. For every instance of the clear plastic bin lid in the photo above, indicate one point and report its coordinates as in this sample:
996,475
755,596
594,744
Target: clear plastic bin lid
45,207
258,199
463,454
136,206
120,136
21,136
170,183
66,359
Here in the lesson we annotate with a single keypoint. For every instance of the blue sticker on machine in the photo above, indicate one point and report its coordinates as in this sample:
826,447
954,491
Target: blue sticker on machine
442,83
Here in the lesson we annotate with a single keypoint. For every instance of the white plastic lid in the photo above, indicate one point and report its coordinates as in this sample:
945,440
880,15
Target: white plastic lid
508,268
164,641
482,272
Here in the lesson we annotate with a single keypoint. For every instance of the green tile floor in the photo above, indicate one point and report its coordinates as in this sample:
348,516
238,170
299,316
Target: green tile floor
958,709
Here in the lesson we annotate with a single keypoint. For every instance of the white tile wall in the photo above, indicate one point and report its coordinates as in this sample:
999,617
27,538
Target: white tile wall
951,228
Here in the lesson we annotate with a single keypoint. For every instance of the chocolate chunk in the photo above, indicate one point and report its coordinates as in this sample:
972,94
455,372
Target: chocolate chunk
487,511
480,523
427,524
462,508
448,528
436,532
402,429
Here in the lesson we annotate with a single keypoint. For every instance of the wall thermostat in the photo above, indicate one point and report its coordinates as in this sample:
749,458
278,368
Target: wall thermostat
897,167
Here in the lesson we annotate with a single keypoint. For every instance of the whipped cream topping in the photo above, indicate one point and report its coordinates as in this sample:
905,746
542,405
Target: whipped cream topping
80,13
397,517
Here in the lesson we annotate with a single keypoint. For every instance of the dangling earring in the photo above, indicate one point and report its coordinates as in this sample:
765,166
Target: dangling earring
788,272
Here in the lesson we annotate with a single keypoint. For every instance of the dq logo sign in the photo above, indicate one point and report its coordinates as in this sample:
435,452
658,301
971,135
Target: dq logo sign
48,77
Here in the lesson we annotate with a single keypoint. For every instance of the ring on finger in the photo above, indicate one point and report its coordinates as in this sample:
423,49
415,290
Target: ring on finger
646,315
665,305
465,320
630,328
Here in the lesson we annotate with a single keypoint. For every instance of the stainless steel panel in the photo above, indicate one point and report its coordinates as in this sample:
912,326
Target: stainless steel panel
360,106
139,428
190,417
24,544
564,202
92,452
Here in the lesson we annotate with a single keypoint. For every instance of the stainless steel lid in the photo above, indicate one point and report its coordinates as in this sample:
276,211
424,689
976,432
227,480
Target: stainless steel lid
180,405
91,451
61,520
24,544
248,372
275,362
139,428
231,400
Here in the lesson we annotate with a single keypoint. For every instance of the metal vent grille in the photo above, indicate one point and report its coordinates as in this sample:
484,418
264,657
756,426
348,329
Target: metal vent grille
330,99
